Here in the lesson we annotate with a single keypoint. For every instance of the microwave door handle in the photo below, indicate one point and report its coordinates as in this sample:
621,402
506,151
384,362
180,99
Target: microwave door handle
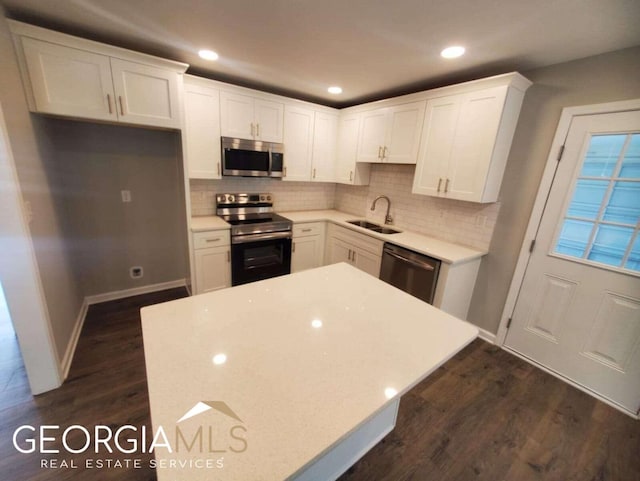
270,162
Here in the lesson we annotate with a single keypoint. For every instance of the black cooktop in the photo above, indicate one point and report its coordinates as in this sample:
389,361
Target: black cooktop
242,219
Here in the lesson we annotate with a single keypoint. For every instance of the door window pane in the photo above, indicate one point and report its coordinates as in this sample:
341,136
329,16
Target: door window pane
633,262
602,220
587,198
602,155
574,238
624,204
610,244
631,163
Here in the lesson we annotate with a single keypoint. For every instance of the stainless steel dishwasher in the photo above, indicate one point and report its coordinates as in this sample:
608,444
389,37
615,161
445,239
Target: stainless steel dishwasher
414,273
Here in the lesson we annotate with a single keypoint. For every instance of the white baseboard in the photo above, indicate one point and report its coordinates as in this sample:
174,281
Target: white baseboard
134,291
73,342
487,336
65,365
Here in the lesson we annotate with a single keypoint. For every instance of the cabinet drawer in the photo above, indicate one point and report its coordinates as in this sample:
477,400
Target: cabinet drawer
307,229
362,241
202,240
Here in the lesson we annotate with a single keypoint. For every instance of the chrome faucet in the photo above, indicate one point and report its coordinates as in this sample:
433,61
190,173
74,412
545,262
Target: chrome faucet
387,218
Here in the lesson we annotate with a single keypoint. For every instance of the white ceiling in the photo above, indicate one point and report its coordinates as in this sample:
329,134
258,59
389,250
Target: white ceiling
371,48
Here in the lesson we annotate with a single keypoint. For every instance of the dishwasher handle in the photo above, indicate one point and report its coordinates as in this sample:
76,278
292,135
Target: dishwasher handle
413,262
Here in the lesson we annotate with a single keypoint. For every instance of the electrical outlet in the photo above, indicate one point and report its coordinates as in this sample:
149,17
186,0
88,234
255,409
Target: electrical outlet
126,195
136,272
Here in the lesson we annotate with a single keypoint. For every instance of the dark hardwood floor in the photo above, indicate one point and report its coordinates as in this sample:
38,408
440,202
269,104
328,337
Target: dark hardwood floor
485,415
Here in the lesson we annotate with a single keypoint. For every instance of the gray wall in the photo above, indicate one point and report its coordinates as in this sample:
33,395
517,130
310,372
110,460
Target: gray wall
35,165
603,78
105,236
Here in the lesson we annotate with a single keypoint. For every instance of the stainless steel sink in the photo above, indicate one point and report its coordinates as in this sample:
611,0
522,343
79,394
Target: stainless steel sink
373,227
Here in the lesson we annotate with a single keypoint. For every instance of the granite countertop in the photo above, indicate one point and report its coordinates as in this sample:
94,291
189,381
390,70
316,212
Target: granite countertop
445,251
308,358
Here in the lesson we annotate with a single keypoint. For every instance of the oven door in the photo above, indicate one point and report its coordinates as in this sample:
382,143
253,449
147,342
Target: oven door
260,256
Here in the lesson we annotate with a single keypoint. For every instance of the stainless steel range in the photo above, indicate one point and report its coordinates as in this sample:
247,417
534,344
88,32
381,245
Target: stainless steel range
260,238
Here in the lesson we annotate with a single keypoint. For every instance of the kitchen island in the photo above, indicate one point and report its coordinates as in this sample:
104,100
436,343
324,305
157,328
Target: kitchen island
290,378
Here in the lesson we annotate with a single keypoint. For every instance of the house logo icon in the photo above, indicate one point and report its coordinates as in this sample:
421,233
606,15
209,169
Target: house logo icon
204,406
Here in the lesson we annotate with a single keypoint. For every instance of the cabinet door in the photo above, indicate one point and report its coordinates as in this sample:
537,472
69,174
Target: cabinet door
67,81
437,141
306,253
298,140
348,171
269,119
146,95
236,116
213,268
339,251
372,136
202,132
367,262
323,157
475,138
403,133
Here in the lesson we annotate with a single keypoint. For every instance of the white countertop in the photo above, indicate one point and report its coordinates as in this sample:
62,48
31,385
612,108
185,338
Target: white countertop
445,251
296,389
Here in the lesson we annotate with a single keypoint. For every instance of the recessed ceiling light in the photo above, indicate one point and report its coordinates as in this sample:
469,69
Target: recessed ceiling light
453,52
335,90
208,54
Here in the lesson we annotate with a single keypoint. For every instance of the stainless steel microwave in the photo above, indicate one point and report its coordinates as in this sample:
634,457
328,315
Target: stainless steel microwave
251,158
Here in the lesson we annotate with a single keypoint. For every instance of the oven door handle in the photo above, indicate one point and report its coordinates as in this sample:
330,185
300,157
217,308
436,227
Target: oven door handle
243,239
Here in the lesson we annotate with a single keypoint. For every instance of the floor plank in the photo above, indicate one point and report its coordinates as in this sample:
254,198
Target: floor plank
484,415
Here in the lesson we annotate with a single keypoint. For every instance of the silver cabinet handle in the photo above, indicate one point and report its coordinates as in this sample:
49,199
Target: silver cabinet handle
109,103
314,173
284,174
439,183
353,256
253,131
349,255
213,240
380,152
257,130
293,247
306,230
218,168
350,175
228,256
446,186
121,105
384,152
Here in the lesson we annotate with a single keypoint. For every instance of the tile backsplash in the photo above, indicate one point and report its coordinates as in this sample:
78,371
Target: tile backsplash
288,195
465,223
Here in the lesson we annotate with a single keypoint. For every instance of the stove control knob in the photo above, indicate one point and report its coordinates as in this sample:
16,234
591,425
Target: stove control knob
231,198
269,198
263,198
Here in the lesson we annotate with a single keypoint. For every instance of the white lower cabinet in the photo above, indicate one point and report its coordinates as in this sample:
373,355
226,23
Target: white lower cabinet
307,251
212,261
359,250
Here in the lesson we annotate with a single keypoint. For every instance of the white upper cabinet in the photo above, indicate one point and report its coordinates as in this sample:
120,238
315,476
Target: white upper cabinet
74,77
251,118
325,138
145,95
391,134
298,142
466,140
67,81
348,171
201,135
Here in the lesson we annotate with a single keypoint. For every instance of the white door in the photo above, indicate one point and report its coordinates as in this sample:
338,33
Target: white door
347,148
213,269
146,95
339,251
269,119
202,131
306,252
367,262
298,141
236,116
403,137
578,311
68,81
325,137
372,135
